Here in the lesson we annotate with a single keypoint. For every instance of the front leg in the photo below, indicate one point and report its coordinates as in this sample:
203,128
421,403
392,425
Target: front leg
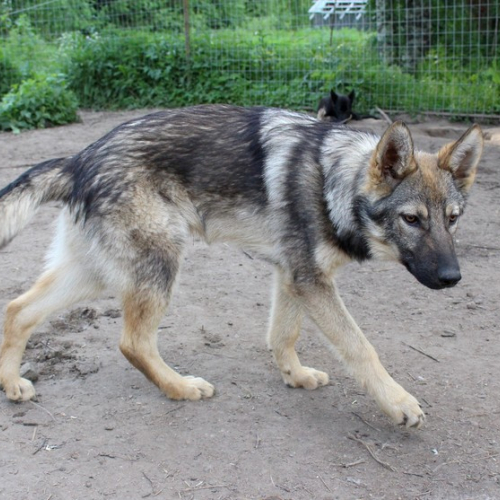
324,305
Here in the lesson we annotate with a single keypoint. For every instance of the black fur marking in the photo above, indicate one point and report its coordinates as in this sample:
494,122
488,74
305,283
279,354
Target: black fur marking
197,159
352,240
25,181
188,144
304,201
89,196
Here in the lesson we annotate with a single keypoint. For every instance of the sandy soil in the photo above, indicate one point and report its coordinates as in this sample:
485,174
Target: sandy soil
100,430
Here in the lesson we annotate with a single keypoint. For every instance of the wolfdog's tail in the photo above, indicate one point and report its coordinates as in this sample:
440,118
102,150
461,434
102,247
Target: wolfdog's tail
20,200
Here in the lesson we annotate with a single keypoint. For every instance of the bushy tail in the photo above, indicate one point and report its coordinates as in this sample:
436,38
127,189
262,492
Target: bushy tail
20,200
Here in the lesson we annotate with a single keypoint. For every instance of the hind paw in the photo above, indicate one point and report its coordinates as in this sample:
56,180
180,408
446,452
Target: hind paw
20,390
305,377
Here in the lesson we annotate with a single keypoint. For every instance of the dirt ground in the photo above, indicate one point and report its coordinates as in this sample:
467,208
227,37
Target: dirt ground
100,430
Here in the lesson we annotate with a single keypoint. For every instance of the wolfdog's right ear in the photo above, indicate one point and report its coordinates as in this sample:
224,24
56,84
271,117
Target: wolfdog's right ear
393,158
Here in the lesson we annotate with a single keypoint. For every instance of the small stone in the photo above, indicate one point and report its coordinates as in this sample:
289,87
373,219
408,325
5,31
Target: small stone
112,313
448,333
29,372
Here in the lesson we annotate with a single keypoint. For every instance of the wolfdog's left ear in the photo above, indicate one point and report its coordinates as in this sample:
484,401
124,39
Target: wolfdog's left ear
462,157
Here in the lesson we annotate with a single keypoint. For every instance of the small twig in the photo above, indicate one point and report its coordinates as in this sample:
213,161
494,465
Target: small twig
372,453
257,441
371,271
477,459
351,464
346,120
150,482
247,254
153,492
484,247
421,352
34,433
364,421
384,115
426,402
174,409
44,409
40,447
413,474
445,463
196,488
323,481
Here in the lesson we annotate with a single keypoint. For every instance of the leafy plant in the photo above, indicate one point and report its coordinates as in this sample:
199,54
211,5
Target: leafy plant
30,51
9,73
37,103
50,17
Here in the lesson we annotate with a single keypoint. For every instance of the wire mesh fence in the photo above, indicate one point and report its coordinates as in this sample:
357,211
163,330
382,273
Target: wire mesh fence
416,56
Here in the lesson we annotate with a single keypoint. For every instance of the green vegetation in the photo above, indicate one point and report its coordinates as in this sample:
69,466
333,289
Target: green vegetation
37,103
9,73
112,54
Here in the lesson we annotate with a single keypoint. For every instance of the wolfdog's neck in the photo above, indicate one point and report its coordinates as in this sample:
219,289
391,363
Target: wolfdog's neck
345,160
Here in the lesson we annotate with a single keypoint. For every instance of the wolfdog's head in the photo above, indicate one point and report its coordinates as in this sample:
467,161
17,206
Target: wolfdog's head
413,202
336,107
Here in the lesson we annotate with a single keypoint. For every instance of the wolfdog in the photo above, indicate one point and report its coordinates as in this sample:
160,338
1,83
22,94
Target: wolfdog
307,196
337,107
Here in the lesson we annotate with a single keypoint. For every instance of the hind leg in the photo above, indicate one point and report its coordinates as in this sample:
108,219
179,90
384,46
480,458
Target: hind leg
284,329
142,312
56,289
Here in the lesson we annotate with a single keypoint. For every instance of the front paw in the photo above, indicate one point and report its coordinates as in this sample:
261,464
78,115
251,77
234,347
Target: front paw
19,390
403,408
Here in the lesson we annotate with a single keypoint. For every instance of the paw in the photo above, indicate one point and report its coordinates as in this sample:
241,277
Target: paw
195,388
308,378
19,390
404,409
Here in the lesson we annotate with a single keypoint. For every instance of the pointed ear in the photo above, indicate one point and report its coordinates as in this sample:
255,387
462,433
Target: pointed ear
351,96
462,157
393,158
334,96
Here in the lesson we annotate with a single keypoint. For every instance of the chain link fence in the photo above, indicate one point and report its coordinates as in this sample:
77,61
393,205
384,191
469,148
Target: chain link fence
416,56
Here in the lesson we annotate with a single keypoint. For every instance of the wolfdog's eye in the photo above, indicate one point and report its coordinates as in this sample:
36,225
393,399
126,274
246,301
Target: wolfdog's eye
453,218
410,219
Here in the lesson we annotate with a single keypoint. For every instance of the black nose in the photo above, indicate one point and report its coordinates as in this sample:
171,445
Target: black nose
449,276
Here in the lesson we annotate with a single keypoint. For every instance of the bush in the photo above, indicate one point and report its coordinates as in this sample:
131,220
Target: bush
9,73
150,15
37,103
123,70
51,18
30,51
277,68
